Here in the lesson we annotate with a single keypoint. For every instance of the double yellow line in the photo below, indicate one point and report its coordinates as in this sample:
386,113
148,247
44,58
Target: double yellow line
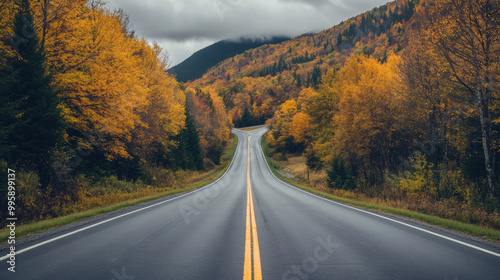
251,256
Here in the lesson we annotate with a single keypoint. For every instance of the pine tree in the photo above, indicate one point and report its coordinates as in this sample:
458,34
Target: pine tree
192,139
9,110
187,154
246,118
316,76
38,124
340,175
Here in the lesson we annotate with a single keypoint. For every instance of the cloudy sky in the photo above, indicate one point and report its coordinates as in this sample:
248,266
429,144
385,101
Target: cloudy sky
184,26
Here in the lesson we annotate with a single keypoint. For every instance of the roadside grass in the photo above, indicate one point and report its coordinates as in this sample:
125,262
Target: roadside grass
196,181
470,229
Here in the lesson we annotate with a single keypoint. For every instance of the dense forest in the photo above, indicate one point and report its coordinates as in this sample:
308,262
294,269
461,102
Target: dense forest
398,102
84,100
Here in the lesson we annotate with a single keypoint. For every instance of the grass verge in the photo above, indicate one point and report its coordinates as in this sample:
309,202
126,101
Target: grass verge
474,230
48,224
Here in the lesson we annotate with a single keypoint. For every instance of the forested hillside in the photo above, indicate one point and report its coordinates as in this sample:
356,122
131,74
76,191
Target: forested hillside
201,61
261,79
398,103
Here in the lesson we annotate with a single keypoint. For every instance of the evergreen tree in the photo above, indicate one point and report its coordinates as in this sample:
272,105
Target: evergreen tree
246,118
316,76
9,110
340,176
176,157
187,154
35,123
192,140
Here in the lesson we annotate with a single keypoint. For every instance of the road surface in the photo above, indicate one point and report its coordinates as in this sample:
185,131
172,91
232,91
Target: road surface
250,225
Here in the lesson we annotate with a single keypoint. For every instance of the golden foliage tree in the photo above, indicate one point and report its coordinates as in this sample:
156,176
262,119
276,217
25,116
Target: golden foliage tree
369,120
213,121
321,106
467,35
111,84
162,115
280,135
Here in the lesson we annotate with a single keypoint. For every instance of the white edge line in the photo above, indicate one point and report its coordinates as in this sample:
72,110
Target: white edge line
126,214
380,216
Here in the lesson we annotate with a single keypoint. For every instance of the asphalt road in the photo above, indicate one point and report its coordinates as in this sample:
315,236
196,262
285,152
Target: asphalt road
205,235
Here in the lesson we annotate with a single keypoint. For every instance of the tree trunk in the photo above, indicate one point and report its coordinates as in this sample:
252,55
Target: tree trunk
485,119
45,8
489,159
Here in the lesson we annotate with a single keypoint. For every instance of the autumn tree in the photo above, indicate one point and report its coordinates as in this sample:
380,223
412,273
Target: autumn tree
213,122
99,79
162,114
280,135
321,106
467,35
300,128
120,104
369,125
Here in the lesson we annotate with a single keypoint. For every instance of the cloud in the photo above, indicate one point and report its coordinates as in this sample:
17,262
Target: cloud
197,22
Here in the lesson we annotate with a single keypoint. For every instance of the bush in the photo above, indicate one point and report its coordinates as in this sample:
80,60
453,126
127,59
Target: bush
419,183
453,185
30,202
157,176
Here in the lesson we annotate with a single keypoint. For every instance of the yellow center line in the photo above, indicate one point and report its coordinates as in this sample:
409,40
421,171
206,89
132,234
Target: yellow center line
257,270
251,233
247,271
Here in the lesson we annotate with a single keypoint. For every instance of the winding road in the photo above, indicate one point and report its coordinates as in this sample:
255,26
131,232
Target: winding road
250,225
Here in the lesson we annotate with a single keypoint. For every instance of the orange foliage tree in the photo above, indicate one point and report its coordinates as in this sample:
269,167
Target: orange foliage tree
466,34
370,119
213,122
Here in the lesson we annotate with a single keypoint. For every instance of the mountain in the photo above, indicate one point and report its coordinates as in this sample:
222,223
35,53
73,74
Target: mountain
197,64
262,78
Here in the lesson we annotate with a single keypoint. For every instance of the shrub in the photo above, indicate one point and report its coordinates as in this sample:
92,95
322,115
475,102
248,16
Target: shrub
453,185
419,183
29,196
157,176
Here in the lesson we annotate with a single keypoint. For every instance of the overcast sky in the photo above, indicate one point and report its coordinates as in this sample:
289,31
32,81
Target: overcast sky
184,26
